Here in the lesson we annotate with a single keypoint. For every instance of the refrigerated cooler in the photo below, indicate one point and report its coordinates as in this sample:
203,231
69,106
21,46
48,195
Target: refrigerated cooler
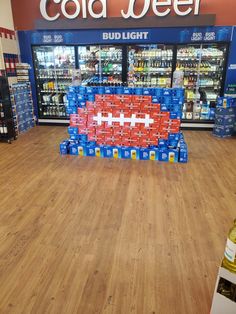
149,65
204,70
100,64
54,68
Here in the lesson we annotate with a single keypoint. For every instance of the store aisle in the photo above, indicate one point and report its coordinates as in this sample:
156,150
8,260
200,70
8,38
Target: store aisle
112,236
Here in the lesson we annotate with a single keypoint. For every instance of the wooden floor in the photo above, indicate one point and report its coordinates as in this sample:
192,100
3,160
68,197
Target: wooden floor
112,236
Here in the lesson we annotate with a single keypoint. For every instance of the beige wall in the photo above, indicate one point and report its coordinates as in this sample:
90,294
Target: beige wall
6,19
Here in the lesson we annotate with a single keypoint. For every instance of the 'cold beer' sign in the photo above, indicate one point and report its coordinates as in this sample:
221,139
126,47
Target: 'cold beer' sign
84,8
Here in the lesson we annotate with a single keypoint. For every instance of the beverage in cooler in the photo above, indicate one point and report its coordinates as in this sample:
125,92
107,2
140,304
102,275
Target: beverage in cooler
54,67
203,67
150,65
89,64
100,64
111,64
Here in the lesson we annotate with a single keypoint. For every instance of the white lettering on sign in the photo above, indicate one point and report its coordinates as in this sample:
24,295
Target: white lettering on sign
197,37
84,6
122,120
159,8
211,36
125,35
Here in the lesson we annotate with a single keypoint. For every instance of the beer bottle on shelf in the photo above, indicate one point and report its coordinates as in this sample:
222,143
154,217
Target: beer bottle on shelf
229,261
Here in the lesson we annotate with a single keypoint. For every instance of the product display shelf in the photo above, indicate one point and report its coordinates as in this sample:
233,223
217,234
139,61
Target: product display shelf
54,71
7,113
150,66
203,68
21,99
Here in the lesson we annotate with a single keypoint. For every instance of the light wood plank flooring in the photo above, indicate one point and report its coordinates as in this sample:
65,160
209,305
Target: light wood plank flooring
112,236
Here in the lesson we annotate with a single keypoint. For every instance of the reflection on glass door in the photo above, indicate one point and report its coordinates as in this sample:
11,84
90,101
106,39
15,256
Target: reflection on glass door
54,66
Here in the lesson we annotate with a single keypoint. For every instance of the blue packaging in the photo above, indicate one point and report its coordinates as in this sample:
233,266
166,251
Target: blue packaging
224,120
101,90
154,153
174,136
144,154
74,137
169,155
164,107
73,148
64,147
138,91
99,151
183,154
73,130
120,90
163,143
167,92
91,97
91,90
223,131
158,92
83,138
178,92
128,91
82,150
82,90
157,100
173,143
82,104
167,100
108,152
225,111
226,102
109,90
176,115
90,151
148,91
125,152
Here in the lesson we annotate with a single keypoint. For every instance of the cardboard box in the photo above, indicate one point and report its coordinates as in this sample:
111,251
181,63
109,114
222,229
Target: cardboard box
222,304
144,154
153,154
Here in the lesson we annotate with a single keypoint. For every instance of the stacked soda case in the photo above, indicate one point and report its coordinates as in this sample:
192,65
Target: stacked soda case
225,117
21,98
123,122
7,122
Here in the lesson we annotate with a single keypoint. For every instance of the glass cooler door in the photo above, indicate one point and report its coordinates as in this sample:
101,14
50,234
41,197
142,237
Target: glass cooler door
54,67
111,64
89,64
203,67
150,65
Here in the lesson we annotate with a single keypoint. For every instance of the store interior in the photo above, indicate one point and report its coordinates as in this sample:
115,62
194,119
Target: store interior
117,158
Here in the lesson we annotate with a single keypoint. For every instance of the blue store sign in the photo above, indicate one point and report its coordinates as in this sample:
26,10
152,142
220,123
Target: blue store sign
161,35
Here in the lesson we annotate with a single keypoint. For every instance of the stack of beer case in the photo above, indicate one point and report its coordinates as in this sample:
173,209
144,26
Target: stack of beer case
21,98
225,117
159,139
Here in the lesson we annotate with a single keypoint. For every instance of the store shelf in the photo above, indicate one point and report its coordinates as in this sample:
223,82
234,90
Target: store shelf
54,91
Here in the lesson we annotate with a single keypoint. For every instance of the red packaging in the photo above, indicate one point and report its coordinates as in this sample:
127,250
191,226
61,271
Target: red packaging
108,98
137,99
165,115
135,141
121,132
118,98
99,97
127,98
83,130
